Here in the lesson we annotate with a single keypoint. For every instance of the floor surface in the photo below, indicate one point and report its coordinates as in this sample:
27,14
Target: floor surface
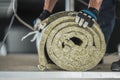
29,62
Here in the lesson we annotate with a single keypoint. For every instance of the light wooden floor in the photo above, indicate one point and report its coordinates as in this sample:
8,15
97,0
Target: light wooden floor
29,62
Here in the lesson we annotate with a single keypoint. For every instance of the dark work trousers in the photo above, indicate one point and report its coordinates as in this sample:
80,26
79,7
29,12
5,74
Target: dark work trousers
106,18
3,26
2,31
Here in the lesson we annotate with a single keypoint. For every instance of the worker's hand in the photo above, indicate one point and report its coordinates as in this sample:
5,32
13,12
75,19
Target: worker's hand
38,22
45,14
86,17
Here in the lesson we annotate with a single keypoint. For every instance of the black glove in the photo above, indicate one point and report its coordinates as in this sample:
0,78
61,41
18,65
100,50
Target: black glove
87,17
44,15
37,22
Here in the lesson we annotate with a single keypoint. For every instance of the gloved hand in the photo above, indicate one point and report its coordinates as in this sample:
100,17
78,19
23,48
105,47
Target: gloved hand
37,22
87,17
44,14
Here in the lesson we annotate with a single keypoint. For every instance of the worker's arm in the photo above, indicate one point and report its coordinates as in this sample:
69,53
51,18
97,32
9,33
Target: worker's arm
87,17
47,10
95,4
49,5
